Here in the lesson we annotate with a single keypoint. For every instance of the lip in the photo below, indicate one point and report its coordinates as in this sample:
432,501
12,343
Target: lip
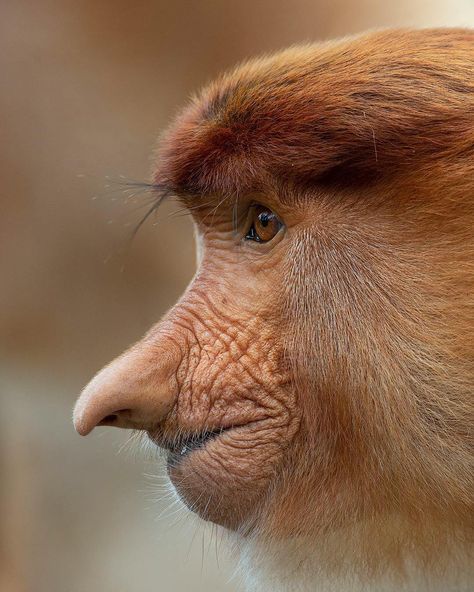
189,444
181,447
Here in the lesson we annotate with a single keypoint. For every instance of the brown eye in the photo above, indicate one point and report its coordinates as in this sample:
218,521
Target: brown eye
264,225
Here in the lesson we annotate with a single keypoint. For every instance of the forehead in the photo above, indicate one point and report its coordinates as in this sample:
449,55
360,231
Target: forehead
347,113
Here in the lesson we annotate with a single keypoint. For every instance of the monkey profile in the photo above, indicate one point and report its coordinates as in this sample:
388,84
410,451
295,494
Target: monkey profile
313,385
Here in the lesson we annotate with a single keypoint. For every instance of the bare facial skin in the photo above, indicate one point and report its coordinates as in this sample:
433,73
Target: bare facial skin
232,381
315,380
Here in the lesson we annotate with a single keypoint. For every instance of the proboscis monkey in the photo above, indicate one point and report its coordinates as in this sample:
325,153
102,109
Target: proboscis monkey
313,385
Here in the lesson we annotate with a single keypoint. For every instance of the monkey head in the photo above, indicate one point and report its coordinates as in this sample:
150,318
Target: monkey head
317,372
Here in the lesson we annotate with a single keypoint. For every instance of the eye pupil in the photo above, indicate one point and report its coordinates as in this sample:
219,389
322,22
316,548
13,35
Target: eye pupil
264,219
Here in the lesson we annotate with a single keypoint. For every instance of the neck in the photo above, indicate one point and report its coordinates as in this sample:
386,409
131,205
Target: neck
364,558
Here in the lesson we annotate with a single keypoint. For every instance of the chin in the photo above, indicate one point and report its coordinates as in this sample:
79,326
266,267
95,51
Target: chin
225,476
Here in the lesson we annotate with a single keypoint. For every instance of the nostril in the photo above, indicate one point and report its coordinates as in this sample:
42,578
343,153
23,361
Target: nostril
108,419
113,417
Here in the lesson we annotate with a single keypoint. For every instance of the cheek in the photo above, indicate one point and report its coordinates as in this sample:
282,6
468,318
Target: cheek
233,373
232,379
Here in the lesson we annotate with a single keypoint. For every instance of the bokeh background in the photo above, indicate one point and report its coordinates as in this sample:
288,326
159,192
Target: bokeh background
85,87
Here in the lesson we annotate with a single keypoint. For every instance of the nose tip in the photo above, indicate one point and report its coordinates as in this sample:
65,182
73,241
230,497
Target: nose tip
85,420
134,391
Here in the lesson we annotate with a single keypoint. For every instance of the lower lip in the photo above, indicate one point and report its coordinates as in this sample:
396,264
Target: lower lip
176,456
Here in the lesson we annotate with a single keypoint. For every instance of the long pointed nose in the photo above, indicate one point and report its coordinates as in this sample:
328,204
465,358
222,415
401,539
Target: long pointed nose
137,390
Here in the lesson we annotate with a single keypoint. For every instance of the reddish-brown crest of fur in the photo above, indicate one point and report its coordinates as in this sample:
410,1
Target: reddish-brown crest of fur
346,111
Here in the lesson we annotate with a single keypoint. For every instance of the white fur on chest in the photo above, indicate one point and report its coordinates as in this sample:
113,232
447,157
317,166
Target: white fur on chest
298,567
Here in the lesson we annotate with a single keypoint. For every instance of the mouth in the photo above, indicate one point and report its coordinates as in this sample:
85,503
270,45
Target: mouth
220,473
181,447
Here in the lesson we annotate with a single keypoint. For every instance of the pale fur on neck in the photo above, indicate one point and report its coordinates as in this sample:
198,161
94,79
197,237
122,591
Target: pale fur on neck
335,563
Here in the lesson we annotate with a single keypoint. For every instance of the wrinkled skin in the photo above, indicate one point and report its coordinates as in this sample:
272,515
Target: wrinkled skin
231,374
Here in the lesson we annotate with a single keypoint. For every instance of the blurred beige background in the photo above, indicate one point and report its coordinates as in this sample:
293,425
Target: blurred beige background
85,88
